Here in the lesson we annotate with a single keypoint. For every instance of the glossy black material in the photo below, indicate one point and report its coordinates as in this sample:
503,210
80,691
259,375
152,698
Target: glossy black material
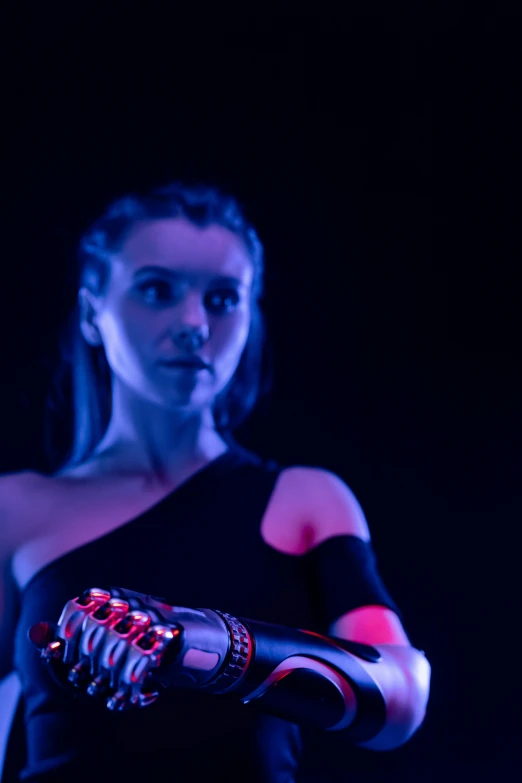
274,644
303,696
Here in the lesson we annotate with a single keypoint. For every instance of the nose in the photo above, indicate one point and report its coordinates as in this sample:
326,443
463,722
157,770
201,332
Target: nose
192,330
190,338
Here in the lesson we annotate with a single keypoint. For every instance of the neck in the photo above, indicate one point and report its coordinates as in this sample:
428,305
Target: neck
160,443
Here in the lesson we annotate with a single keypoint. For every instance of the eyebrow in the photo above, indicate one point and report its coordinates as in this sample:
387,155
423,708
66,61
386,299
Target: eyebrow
174,274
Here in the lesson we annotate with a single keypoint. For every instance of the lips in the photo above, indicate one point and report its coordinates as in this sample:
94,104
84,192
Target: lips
190,362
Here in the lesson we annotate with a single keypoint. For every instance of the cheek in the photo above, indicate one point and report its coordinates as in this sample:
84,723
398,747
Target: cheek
232,333
242,327
242,331
124,330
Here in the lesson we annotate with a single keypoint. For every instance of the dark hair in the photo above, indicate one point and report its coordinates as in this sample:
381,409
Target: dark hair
88,372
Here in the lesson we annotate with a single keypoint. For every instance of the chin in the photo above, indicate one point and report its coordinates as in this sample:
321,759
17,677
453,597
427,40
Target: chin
187,403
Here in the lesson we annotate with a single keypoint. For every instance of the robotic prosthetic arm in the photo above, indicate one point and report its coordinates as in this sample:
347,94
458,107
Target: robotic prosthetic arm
123,646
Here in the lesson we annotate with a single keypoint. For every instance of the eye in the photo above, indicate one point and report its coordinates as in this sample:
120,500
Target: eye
222,300
155,291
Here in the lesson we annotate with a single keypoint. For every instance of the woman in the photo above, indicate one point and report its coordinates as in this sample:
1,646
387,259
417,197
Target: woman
156,497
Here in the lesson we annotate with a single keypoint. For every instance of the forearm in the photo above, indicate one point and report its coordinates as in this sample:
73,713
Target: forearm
377,696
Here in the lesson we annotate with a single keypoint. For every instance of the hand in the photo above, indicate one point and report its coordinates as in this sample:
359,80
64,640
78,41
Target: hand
109,644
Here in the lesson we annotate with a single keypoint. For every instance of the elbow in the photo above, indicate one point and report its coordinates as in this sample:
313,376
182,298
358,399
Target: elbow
405,708
394,735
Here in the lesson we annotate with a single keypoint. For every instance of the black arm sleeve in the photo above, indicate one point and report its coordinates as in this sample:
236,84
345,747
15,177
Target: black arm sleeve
342,573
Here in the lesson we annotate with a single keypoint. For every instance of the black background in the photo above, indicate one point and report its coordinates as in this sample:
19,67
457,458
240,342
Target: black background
379,158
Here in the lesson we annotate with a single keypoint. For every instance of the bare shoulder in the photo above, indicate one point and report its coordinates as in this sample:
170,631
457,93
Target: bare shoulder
15,486
20,500
310,505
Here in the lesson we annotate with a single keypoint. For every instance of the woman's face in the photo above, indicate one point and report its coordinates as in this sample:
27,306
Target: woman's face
176,292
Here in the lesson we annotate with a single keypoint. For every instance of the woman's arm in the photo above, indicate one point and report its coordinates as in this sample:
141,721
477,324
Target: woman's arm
120,644
10,686
11,536
335,511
